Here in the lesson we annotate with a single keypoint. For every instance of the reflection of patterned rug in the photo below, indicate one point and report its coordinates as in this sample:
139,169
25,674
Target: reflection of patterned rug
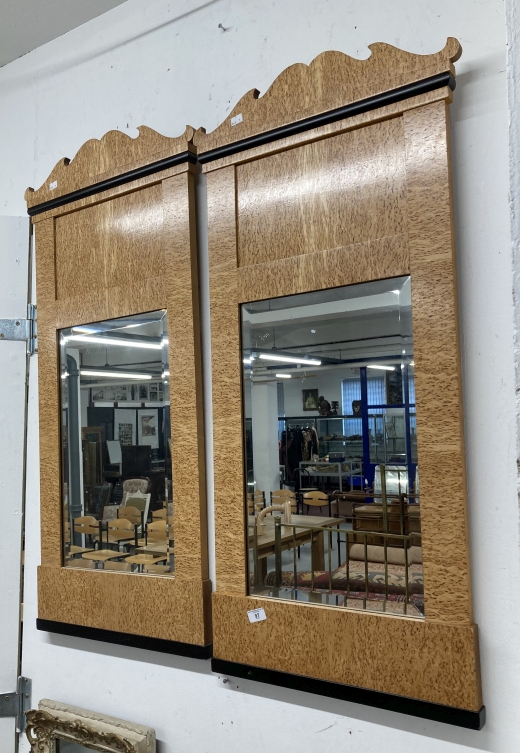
356,584
356,579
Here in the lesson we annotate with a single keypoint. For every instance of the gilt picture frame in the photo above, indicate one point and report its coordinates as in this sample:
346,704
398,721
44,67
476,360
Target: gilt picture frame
56,727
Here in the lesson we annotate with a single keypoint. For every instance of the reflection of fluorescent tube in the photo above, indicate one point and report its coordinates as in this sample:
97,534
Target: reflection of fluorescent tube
383,368
290,359
283,376
114,374
114,341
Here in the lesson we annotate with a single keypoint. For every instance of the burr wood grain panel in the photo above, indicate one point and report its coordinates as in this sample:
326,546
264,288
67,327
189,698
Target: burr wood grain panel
437,358
361,262
186,392
114,255
365,204
325,195
116,242
154,606
419,659
226,375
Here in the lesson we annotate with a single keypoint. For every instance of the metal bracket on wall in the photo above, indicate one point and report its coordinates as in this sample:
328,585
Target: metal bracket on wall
22,329
17,703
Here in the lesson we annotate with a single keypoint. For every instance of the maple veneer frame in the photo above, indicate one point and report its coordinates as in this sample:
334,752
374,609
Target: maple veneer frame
377,205
115,236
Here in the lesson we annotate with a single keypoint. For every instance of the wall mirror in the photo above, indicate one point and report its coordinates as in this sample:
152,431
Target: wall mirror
116,445
116,248
331,476
340,493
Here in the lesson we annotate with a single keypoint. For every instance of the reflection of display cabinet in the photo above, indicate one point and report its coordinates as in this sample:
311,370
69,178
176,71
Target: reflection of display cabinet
115,238
339,174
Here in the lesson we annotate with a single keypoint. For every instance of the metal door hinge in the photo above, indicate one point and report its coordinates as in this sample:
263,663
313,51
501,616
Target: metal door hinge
17,703
22,329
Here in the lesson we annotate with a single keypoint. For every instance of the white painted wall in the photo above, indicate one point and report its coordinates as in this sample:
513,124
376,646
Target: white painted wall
166,64
14,257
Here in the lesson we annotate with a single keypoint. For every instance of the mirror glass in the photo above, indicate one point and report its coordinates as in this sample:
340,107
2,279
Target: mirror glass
116,445
332,497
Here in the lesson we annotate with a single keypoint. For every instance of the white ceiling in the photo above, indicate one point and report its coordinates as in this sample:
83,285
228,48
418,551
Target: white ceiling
27,24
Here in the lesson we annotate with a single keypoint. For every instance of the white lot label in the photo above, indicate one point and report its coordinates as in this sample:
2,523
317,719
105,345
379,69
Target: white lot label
53,185
237,119
256,615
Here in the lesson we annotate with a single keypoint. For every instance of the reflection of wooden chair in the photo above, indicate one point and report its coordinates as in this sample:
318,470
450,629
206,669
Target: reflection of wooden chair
120,531
130,513
121,566
280,496
255,499
159,514
81,563
86,525
137,484
157,569
140,501
157,531
316,499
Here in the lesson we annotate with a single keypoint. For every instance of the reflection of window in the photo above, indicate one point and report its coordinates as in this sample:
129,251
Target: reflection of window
411,388
351,390
376,391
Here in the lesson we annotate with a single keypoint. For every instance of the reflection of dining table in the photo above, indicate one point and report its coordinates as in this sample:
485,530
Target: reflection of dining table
291,538
155,547
102,555
144,559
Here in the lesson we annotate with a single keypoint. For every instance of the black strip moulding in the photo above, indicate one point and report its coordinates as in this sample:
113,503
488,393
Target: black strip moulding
423,709
118,180
127,639
347,111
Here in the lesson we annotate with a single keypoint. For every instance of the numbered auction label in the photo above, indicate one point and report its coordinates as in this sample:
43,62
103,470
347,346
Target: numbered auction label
256,615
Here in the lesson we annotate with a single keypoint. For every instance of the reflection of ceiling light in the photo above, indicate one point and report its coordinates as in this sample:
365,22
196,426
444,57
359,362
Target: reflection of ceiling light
64,375
283,376
412,363
114,374
247,360
313,331
114,341
290,359
383,368
395,291
85,330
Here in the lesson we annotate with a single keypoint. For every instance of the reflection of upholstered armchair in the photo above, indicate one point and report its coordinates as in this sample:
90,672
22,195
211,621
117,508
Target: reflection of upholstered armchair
131,485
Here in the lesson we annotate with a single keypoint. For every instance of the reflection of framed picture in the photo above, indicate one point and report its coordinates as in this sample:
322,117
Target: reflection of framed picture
310,399
148,427
121,393
56,726
125,426
110,394
143,392
98,394
153,392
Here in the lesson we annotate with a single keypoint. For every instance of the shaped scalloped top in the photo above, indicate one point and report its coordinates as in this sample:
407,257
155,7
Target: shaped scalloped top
331,80
112,154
